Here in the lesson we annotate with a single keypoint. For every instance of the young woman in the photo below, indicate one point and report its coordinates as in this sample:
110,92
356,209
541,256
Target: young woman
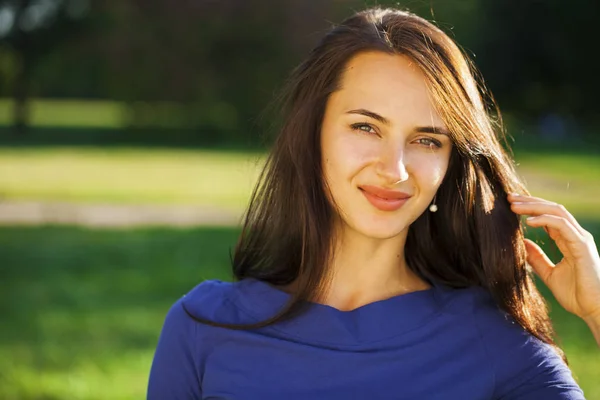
382,256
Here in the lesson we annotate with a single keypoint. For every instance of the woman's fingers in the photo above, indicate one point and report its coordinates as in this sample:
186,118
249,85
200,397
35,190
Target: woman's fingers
566,231
575,280
535,206
539,261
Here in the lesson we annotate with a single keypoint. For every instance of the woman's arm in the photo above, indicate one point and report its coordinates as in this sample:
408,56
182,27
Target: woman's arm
174,373
594,324
575,280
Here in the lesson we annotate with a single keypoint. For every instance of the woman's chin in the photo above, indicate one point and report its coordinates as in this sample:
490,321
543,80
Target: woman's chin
380,230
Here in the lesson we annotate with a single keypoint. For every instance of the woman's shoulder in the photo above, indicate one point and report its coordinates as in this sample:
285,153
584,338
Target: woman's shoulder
501,335
214,300
522,363
476,303
184,341
240,302
493,323
208,294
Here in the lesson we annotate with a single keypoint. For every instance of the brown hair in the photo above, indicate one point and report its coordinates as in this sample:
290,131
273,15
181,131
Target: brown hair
475,239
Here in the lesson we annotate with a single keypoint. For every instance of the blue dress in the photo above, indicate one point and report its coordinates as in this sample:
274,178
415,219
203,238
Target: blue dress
440,343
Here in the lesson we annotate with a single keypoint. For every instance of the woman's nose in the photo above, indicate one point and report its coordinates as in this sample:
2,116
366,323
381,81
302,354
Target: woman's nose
393,166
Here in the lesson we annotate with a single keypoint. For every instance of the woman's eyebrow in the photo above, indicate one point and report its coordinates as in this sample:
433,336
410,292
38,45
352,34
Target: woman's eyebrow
370,114
421,129
437,130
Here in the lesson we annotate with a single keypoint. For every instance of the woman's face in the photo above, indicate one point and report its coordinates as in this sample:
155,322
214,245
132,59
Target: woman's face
382,132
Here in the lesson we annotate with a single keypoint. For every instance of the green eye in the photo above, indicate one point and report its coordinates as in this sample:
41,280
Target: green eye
367,128
429,142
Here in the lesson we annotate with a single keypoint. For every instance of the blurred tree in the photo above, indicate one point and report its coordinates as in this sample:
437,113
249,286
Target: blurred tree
205,65
32,29
536,54
208,68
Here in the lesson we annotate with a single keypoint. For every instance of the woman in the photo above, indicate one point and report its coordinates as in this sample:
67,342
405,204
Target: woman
381,255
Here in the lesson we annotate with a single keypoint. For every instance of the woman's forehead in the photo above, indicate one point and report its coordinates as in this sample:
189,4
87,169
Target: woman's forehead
390,85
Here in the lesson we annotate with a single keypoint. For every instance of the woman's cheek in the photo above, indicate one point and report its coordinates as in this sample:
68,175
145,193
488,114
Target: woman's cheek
427,168
440,166
354,152
438,174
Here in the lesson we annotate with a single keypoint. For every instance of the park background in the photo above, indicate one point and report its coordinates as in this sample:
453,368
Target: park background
132,132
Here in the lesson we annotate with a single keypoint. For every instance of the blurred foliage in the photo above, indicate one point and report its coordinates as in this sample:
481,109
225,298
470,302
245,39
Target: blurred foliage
209,68
29,31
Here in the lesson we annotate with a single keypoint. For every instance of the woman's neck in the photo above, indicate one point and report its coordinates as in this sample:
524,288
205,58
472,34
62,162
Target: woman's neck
364,270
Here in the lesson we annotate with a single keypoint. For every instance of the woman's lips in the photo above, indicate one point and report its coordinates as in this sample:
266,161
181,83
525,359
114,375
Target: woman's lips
393,203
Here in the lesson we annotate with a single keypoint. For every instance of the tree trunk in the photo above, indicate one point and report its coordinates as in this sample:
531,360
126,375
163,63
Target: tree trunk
21,82
21,96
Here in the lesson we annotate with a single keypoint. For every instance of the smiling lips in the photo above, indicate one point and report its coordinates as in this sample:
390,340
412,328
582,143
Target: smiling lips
384,199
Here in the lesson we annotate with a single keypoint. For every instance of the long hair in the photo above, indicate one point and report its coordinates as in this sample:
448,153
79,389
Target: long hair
475,239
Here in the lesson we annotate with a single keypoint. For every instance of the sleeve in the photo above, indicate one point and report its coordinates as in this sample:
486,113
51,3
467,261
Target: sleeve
533,370
174,372
524,367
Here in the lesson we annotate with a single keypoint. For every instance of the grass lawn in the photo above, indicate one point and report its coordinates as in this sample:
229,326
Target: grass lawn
569,178
66,113
82,309
122,175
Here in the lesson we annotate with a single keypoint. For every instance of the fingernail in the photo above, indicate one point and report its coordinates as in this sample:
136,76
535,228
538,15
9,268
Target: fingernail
515,194
531,218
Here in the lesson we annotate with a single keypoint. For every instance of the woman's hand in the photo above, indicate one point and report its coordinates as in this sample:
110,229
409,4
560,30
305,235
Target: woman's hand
575,280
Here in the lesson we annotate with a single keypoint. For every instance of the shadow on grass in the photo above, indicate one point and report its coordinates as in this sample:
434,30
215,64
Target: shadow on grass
73,299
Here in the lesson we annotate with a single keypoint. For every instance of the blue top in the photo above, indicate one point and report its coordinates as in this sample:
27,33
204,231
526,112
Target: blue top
440,343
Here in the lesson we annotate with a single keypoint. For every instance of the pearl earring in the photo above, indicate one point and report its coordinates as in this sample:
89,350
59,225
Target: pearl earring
433,207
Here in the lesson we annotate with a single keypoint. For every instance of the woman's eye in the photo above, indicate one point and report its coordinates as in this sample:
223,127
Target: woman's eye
363,127
429,142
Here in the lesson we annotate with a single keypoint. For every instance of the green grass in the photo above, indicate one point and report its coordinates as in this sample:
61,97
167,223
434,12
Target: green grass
82,309
121,175
69,113
569,167
570,179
